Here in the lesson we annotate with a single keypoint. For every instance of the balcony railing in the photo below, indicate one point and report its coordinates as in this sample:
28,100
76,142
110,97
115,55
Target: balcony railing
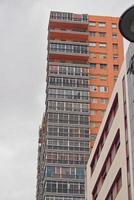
73,31
66,191
68,17
78,51
79,162
69,176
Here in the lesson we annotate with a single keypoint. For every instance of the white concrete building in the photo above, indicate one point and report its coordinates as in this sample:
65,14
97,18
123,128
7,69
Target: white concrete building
110,168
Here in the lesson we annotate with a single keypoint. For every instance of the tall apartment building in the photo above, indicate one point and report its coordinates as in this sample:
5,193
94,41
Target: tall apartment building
84,57
110,168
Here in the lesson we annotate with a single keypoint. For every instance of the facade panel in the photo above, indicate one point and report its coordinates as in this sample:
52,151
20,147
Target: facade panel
109,173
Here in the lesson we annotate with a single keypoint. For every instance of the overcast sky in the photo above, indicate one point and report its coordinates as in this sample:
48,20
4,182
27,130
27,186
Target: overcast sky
23,41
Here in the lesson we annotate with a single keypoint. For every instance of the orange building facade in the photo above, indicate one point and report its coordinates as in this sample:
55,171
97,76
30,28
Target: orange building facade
84,57
106,57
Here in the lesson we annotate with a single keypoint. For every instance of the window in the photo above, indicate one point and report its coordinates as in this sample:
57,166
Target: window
93,112
93,88
63,131
72,83
77,107
92,65
63,118
115,46
85,72
60,93
62,187
92,55
103,78
84,107
103,56
62,70
103,89
115,67
73,119
93,100
84,120
115,57
70,70
50,186
62,47
66,82
103,66
94,124
68,106
61,16
114,25
50,171
114,35
102,34
102,24
115,78
92,44
51,80
53,69
92,137
65,171
92,34
102,45
52,130
85,17
84,83
60,105
92,77
77,71
79,172
104,101
52,117
79,82
52,105
92,23
84,95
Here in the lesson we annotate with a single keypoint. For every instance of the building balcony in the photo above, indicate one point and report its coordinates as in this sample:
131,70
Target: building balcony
67,162
67,193
69,76
67,44
68,20
68,31
80,112
69,17
68,52
73,64
64,136
68,149
69,88
67,99
58,54
64,50
69,34
66,176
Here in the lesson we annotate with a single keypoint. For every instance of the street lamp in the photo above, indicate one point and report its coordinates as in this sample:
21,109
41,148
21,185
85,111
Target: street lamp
126,24
126,27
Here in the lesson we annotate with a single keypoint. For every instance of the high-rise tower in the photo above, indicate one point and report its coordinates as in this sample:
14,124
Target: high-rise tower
84,57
